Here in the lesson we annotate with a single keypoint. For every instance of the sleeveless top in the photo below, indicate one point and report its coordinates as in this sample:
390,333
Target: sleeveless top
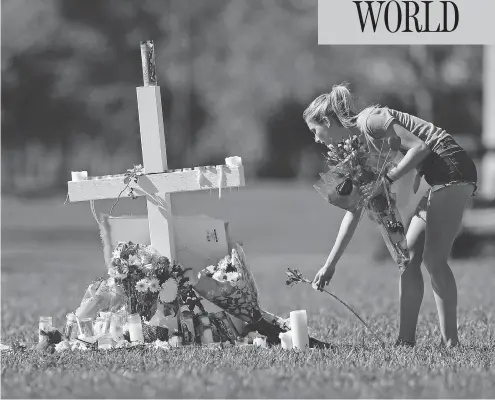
375,120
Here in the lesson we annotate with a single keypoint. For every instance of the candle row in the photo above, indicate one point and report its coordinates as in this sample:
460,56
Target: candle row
77,176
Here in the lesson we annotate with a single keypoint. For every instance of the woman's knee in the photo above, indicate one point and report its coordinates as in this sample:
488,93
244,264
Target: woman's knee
434,262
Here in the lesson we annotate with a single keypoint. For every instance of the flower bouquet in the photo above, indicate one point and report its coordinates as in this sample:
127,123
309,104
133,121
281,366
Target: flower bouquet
147,278
230,285
140,281
349,169
353,165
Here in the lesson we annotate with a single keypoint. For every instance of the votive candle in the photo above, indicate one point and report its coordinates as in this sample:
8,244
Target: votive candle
45,324
299,329
135,328
116,327
79,176
286,340
233,161
207,334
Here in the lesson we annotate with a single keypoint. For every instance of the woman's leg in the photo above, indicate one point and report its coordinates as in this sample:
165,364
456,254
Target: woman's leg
444,218
411,286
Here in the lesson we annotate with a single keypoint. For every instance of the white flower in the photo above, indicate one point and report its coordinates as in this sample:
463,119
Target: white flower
211,269
115,274
169,291
218,275
116,253
134,260
154,258
145,258
233,276
154,285
148,266
224,262
142,285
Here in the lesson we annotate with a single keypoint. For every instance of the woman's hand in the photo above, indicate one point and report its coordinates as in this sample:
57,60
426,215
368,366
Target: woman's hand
323,277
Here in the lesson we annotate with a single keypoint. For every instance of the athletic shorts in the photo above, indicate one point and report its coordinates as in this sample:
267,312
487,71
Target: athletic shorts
447,165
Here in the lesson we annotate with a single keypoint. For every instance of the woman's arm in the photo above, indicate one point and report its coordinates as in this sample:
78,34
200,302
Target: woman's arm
417,151
346,231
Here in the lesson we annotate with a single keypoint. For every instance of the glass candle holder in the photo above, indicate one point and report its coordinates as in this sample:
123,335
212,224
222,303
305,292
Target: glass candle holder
86,325
71,329
97,326
135,328
105,341
105,318
45,323
117,322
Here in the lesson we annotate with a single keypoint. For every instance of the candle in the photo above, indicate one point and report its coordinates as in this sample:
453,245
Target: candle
233,161
45,324
116,327
175,341
207,333
79,176
85,328
135,328
286,340
71,327
299,325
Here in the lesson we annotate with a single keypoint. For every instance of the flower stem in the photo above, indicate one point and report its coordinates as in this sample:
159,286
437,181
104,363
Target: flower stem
354,312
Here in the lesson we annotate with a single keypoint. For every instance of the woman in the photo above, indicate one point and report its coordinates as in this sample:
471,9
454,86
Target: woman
445,166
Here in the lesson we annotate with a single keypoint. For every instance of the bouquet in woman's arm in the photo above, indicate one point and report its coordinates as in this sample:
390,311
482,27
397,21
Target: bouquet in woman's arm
351,166
230,285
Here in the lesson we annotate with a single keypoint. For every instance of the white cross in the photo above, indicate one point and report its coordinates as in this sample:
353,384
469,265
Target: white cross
157,181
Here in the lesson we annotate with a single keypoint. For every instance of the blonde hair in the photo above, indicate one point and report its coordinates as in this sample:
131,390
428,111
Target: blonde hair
338,105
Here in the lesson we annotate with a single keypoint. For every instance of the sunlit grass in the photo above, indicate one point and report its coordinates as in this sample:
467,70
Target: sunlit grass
49,277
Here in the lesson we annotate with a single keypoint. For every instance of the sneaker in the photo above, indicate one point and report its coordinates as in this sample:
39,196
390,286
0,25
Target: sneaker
443,345
402,342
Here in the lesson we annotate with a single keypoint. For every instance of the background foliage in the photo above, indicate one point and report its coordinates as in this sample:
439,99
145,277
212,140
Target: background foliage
235,77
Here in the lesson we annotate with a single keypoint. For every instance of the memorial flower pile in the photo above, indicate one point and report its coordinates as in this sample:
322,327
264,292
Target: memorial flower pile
147,299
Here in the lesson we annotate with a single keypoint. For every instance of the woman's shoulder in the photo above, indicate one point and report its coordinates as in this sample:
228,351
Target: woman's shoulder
375,120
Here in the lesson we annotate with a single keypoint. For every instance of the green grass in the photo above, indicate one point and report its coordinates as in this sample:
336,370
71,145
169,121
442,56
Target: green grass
50,253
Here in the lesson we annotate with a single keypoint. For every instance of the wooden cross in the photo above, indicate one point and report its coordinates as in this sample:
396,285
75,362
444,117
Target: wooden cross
158,183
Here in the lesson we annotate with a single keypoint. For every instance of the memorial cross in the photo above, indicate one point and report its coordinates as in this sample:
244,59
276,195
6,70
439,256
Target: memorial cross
157,183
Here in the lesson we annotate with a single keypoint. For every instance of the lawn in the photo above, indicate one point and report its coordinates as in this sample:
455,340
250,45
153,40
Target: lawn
51,251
